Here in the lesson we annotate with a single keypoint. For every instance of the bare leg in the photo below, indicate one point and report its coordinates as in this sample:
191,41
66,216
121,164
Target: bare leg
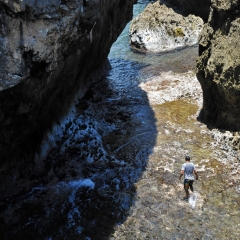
187,193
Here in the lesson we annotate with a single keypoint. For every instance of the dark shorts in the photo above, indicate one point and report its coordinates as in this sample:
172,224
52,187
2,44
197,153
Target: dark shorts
188,183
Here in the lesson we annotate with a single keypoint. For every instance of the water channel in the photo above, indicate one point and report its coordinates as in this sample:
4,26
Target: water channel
113,167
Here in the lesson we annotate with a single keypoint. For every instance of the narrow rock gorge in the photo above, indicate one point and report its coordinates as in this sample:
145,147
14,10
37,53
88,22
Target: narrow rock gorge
218,68
93,134
49,51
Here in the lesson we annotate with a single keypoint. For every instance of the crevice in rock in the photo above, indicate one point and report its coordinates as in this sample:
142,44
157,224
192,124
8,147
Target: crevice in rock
201,49
27,14
63,2
35,69
27,57
3,26
222,20
38,69
84,3
6,9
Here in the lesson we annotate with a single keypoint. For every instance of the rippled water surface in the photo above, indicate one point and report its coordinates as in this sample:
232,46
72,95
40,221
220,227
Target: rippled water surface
112,171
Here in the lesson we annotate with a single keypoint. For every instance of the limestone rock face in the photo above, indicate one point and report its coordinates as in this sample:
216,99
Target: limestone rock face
199,8
159,29
218,66
48,51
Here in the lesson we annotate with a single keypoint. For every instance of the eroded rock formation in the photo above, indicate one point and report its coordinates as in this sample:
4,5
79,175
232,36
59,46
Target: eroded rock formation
48,52
218,66
158,28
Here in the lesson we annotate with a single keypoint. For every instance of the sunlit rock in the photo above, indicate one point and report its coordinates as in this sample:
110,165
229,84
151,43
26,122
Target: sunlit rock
159,29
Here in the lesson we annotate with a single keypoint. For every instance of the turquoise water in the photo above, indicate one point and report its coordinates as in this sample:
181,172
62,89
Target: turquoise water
134,67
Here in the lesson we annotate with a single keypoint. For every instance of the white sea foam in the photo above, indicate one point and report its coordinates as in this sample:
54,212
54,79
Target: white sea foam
72,130
73,186
82,183
72,214
193,201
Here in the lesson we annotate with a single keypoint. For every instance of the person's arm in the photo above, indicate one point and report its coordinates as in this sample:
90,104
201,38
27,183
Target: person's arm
182,172
195,171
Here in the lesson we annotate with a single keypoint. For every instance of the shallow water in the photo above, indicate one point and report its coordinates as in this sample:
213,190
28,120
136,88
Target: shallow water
112,172
159,211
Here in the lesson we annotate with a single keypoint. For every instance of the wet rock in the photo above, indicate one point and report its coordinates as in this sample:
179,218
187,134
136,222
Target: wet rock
159,29
218,66
169,87
49,51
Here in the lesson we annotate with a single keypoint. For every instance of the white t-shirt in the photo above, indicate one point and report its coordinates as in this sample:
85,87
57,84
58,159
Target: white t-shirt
188,168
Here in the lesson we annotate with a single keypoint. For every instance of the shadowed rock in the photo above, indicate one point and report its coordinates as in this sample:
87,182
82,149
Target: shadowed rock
48,52
218,68
186,7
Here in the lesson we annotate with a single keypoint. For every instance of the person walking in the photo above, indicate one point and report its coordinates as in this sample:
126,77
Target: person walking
187,170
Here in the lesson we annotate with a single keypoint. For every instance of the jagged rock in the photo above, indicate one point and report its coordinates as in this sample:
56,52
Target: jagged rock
159,28
48,52
186,7
218,66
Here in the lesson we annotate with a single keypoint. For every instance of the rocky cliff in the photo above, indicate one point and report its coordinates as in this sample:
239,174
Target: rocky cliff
218,66
48,52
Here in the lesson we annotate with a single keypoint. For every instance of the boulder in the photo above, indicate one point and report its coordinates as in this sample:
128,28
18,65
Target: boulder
158,28
218,66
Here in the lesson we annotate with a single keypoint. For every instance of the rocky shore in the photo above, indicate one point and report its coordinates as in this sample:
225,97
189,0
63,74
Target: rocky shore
160,28
113,172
